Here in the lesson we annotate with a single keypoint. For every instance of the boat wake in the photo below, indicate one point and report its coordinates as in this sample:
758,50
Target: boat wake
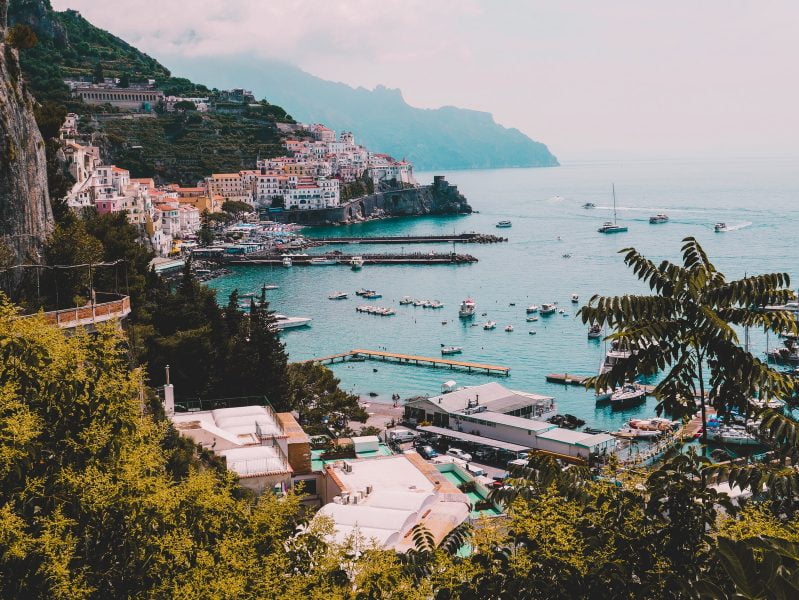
652,209
739,226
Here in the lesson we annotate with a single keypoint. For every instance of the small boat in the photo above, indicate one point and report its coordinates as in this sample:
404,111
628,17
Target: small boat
631,433
595,331
356,262
532,332
247,295
612,226
466,309
575,298
270,286
489,325
284,322
627,395
286,261
511,304
659,218
447,350
532,319
567,255
533,308
502,224
337,296
323,261
509,328
361,292
406,300
372,295
589,205
719,227
436,304
547,309
735,436
562,311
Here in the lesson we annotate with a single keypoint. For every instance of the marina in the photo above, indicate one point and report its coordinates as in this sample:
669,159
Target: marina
410,359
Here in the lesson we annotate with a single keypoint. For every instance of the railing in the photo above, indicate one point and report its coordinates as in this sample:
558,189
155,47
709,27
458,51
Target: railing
260,466
70,318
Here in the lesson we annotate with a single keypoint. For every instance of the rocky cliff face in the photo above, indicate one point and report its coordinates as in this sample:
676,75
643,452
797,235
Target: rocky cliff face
25,215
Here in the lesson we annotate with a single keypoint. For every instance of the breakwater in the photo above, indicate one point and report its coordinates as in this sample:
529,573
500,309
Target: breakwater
460,238
414,258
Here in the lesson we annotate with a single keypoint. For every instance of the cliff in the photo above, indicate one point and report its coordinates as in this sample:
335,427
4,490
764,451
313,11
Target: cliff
25,215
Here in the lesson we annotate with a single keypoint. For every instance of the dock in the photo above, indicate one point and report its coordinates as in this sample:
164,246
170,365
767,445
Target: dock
461,238
416,258
567,379
412,359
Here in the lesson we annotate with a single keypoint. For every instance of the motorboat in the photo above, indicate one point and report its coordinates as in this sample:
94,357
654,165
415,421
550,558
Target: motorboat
659,218
247,295
436,304
356,262
533,308
720,227
466,309
503,224
785,355
489,325
589,205
613,356
627,395
509,328
361,292
562,311
419,302
732,435
612,226
338,296
406,300
323,261
375,310
372,295
532,319
284,322
532,332
448,350
286,261
547,309
575,298
595,331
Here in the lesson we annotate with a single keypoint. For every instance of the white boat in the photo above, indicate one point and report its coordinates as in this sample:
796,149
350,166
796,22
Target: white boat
337,296
612,226
575,298
719,227
532,319
406,300
284,322
489,325
632,433
547,309
446,350
323,261
654,424
436,304
595,331
466,309
502,224
356,262
372,295
659,218
509,328
736,436
533,308
627,395
270,286
286,261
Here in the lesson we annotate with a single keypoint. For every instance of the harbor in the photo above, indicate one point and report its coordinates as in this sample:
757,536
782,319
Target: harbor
411,359
302,260
460,238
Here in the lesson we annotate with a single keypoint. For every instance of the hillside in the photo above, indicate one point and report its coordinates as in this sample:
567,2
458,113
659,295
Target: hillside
442,138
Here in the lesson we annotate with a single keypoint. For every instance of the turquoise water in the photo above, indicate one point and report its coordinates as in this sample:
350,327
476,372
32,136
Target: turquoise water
756,198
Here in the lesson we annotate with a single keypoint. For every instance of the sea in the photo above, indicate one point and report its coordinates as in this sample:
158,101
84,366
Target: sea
554,251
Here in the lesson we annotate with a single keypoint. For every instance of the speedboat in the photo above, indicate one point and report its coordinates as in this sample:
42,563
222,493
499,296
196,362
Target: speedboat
446,350
595,331
323,261
286,261
406,300
504,224
337,296
532,319
533,308
509,328
589,205
547,309
627,395
356,262
466,310
489,325
284,322
719,227
659,218
575,298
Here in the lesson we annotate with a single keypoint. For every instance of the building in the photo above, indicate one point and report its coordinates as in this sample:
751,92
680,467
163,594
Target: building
134,99
380,500
574,443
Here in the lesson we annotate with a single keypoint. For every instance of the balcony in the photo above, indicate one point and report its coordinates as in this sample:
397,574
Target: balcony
109,308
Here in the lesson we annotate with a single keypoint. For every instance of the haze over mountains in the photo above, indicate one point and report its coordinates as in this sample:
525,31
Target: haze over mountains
442,138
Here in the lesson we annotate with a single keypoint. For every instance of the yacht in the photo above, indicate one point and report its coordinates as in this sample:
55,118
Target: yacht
719,227
659,218
447,350
575,298
489,325
323,261
533,308
736,436
612,226
466,310
547,309
337,296
356,262
504,224
595,331
509,328
589,205
627,395
284,322
286,261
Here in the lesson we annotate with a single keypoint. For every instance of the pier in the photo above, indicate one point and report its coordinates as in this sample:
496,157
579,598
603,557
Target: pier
461,238
416,258
567,379
411,359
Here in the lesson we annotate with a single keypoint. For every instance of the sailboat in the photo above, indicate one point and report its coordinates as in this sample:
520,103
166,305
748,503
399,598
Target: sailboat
613,227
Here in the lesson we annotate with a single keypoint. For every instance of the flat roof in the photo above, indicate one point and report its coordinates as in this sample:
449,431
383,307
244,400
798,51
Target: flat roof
493,396
576,438
509,420
476,439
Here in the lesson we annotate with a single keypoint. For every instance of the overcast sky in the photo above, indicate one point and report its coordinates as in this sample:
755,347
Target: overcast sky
591,79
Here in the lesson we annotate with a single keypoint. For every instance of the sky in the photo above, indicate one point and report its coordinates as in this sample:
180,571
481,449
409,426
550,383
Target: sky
592,80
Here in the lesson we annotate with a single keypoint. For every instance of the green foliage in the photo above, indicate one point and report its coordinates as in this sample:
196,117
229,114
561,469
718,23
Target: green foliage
185,105
236,207
21,37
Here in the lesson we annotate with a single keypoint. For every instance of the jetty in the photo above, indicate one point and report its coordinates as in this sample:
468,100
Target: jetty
416,258
460,238
569,379
412,359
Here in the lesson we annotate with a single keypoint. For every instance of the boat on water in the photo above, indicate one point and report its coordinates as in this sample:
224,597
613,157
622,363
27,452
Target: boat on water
286,261
595,331
654,424
509,328
270,286
284,322
589,205
372,295
356,262
338,296
381,311
406,300
466,309
788,354
612,226
575,298
247,295
720,227
632,433
627,395
533,308
532,319
659,218
733,435
323,261
489,325
449,350
361,292
503,224
436,304
547,309
532,332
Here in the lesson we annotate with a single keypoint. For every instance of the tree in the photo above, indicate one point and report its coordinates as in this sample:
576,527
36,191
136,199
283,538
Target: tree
205,235
98,76
21,37
72,251
124,81
687,328
185,105
236,207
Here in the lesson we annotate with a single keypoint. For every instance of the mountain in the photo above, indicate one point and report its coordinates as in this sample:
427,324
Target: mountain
441,138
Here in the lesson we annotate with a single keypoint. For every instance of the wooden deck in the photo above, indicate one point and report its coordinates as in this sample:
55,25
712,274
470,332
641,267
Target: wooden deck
412,359
567,379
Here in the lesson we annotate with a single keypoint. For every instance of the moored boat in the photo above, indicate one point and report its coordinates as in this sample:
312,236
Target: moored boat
509,328
547,308
448,350
286,261
284,322
503,224
533,308
489,325
466,309
575,298
659,218
595,331
338,296
627,395
323,261
356,262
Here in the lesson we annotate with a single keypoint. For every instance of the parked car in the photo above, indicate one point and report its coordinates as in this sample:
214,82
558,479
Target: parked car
427,452
458,453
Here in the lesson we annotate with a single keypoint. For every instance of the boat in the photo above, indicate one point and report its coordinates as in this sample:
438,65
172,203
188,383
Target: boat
509,328
248,295
595,331
361,292
632,433
466,309
406,300
447,350
575,298
284,322
270,286
356,262
502,224
489,325
323,261
627,395
338,296
547,309
719,227
654,424
659,218
589,205
532,319
532,332
372,295
732,435
788,354
533,308
612,226
286,261
436,304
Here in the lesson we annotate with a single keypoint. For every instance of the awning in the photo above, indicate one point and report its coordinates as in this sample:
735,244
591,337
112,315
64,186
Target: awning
474,439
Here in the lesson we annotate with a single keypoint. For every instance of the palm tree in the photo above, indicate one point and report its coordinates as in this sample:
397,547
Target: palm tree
686,329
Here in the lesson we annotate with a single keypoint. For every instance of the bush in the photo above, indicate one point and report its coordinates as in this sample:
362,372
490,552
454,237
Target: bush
21,37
